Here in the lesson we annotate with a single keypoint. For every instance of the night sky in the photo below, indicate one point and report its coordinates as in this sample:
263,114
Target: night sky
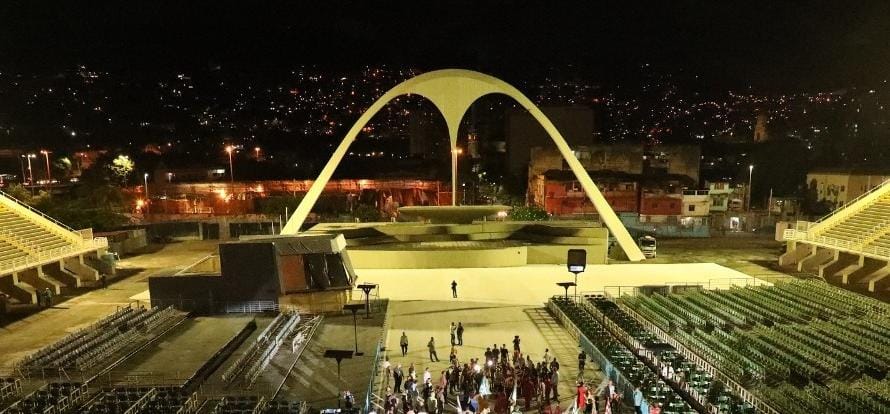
782,45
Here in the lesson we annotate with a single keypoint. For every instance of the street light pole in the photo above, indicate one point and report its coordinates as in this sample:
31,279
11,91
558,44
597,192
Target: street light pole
30,170
454,154
22,161
229,150
147,198
48,175
750,175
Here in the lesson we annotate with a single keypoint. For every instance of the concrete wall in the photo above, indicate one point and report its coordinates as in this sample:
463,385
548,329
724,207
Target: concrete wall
436,259
596,254
575,123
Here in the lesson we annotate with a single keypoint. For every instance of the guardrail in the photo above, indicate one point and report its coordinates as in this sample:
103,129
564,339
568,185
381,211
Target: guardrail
849,245
372,397
46,256
606,366
36,211
759,405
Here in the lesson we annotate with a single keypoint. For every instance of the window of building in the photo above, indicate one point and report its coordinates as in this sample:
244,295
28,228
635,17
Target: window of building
692,207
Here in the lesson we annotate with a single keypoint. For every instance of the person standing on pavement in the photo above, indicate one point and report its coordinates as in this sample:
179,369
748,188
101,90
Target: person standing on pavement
638,400
454,288
582,359
432,346
554,381
403,343
460,333
453,331
581,398
397,376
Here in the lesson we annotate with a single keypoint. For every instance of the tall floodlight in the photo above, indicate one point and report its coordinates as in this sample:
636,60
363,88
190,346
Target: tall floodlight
229,150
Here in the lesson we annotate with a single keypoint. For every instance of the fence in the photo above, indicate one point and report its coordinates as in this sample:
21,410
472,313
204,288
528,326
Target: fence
760,405
859,245
709,284
373,399
47,256
620,381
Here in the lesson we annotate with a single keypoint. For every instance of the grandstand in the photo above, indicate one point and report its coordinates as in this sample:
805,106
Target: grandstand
851,245
38,252
85,372
800,346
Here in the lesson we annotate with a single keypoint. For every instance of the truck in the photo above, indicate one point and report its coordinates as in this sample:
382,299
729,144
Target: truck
647,246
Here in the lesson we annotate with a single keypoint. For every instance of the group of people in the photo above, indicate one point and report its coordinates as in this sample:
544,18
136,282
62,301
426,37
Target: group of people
496,382
45,298
603,400
457,339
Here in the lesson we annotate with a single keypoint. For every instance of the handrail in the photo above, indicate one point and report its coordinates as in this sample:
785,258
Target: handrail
43,256
19,242
742,392
826,241
36,211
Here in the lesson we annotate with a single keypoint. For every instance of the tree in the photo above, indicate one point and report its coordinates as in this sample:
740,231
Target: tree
275,205
366,213
121,167
528,213
19,192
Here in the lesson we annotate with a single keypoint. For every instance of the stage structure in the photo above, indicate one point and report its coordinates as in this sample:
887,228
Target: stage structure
453,91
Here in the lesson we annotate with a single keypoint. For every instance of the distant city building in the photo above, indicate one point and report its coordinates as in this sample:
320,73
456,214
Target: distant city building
760,132
427,135
631,179
576,123
838,187
726,197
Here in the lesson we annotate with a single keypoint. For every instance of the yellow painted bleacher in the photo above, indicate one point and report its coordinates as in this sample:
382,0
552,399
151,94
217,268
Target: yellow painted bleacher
862,226
30,237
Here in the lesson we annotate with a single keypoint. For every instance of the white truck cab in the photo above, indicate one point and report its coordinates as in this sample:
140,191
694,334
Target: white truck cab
647,246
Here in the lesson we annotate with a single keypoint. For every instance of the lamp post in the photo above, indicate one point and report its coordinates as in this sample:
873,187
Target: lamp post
229,150
454,154
750,175
49,177
354,307
339,355
367,288
257,151
147,199
30,170
566,286
22,161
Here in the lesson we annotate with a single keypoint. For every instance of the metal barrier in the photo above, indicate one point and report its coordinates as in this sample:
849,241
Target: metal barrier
47,256
621,382
372,396
760,405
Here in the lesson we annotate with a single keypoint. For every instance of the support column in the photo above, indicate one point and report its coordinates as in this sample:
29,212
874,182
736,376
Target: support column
21,291
224,230
57,271
77,266
39,281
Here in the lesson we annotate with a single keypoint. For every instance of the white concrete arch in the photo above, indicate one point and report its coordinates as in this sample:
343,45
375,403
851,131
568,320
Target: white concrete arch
452,91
